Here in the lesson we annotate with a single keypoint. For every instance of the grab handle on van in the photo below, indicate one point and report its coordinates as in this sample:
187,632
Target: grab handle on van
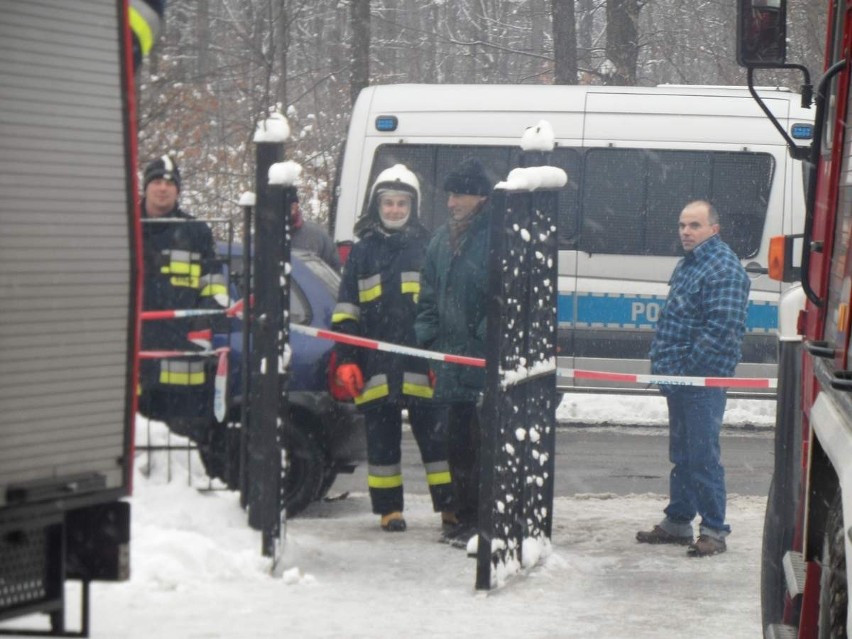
754,268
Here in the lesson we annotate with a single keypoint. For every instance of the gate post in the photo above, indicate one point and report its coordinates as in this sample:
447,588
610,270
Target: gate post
269,337
519,408
247,201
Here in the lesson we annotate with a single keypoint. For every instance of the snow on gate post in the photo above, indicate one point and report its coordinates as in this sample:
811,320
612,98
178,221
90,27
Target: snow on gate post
269,337
518,418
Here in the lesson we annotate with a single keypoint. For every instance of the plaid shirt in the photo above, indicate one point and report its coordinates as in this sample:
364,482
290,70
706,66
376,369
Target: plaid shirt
701,326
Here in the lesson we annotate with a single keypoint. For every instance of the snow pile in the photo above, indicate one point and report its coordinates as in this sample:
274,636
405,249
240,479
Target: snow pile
651,410
275,128
285,173
534,177
510,378
539,137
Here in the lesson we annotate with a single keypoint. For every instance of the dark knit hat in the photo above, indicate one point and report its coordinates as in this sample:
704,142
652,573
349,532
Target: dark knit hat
468,178
163,167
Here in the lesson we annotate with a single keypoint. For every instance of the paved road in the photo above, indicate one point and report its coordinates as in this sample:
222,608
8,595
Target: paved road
620,460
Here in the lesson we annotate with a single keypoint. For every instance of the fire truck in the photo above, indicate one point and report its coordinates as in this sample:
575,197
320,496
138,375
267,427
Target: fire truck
807,539
69,306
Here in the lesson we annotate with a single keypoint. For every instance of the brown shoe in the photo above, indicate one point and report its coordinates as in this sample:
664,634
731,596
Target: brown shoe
706,546
660,536
393,522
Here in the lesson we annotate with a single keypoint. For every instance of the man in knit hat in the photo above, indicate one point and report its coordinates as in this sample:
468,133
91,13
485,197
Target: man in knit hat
451,319
161,185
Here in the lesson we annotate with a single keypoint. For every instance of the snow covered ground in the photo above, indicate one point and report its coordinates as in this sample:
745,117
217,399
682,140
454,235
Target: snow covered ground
198,571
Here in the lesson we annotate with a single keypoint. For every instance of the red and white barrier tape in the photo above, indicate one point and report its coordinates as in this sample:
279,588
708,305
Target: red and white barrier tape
372,344
343,338
672,380
234,310
576,373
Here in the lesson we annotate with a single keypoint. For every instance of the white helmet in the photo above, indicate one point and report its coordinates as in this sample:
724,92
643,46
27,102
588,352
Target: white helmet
396,178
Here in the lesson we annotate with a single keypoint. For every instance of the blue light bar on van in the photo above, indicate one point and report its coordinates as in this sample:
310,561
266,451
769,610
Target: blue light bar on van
386,123
802,131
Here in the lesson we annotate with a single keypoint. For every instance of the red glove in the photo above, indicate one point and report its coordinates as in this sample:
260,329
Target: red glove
432,378
349,377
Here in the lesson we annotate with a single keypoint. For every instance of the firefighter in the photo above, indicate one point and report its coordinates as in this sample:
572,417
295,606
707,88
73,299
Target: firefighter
146,19
180,272
378,300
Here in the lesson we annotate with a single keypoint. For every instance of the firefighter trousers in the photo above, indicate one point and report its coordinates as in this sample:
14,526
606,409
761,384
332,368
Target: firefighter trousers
384,454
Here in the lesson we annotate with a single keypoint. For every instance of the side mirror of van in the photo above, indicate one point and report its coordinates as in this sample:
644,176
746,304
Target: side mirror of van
761,33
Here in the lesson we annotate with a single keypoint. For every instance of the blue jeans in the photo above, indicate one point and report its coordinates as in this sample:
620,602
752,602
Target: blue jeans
697,481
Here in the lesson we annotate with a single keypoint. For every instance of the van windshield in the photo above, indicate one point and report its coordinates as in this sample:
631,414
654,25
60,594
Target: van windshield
618,201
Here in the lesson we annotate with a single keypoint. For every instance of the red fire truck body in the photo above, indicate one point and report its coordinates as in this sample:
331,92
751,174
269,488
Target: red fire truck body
807,540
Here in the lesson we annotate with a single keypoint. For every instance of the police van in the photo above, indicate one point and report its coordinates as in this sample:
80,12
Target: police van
634,157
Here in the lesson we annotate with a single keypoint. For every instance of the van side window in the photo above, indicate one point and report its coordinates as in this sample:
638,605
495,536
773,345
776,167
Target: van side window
618,201
568,217
631,198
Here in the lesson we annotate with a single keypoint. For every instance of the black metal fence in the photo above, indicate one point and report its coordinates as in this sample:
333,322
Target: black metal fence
519,408
244,450
268,414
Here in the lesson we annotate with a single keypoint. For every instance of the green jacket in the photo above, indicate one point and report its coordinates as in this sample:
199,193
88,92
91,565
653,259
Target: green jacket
451,312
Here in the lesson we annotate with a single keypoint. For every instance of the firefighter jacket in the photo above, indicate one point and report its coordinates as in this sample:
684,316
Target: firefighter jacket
451,316
378,300
180,272
146,20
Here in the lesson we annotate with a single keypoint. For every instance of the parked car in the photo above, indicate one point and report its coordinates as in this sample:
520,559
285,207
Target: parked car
328,436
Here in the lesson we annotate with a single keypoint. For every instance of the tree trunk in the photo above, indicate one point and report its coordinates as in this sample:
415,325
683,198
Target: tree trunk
360,75
202,63
622,40
585,38
564,42
281,29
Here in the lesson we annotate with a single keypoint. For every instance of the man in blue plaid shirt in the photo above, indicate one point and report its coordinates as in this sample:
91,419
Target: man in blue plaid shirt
700,333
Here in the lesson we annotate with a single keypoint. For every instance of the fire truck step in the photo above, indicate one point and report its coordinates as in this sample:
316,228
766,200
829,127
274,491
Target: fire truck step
781,631
794,573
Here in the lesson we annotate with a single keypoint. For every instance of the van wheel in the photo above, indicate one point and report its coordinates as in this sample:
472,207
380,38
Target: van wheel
833,594
304,474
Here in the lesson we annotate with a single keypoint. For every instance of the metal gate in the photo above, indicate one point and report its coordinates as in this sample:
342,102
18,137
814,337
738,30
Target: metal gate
519,408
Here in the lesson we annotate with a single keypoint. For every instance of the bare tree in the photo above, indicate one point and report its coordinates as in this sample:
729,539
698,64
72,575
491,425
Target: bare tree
223,64
564,42
622,40
360,73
